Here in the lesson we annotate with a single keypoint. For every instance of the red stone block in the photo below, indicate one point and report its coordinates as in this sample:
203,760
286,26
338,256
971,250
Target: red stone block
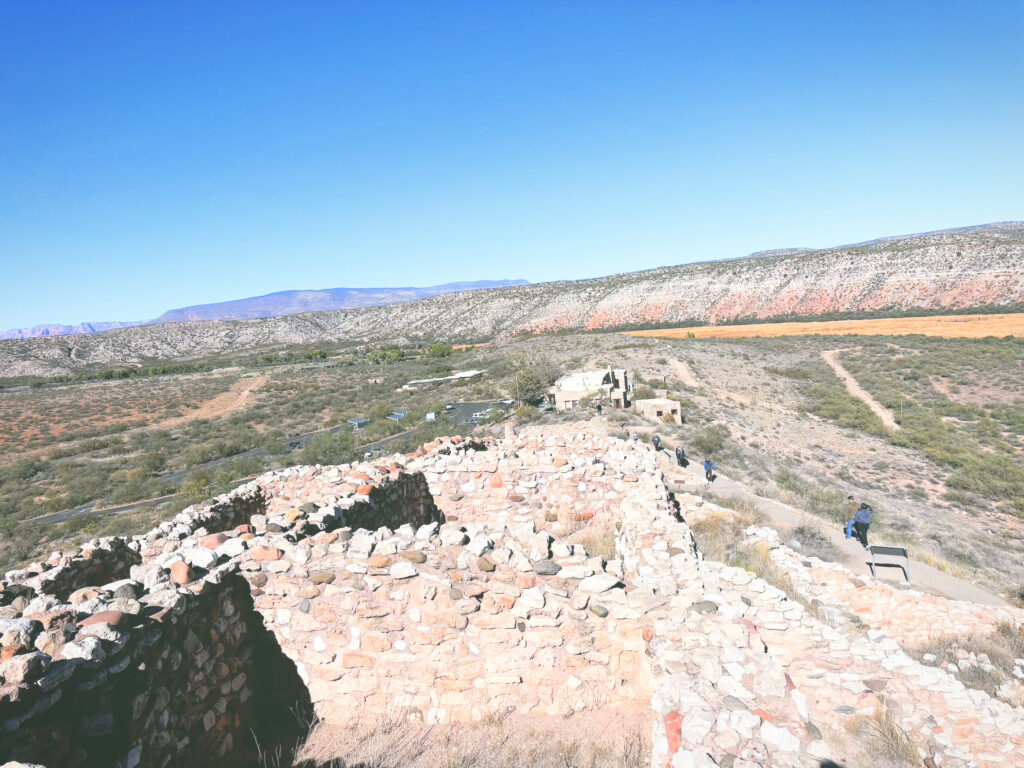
181,573
357,660
265,554
213,541
53,619
674,733
116,619
9,651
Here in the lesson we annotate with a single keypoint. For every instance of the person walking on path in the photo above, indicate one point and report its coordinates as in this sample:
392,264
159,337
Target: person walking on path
656,442
861,523
681,456
709,470
851,512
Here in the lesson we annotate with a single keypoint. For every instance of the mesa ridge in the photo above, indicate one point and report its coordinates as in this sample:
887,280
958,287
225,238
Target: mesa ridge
947,270
470,572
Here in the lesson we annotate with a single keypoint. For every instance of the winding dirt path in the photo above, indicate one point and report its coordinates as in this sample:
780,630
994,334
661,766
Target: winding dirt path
684,373
219,405
832,358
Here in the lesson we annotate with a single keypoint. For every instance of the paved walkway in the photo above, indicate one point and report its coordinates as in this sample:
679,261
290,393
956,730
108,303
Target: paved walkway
785,518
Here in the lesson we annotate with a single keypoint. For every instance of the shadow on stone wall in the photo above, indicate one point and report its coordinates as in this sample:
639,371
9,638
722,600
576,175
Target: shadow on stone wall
281,714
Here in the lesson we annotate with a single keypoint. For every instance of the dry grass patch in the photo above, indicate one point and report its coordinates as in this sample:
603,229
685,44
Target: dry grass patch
946,326
883,741
585,740
981,662
598,540
717,531
814,543
757,558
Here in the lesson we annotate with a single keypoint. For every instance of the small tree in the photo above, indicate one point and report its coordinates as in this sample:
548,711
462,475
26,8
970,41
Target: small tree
439,350
642,392
385,355
533,379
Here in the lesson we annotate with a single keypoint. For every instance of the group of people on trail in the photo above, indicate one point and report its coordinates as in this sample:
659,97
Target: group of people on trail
858,520
681,458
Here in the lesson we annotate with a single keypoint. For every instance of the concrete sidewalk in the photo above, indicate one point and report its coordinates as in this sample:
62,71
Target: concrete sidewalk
785,518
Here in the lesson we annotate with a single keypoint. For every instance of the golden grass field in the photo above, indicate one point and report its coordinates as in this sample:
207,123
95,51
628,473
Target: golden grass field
947,326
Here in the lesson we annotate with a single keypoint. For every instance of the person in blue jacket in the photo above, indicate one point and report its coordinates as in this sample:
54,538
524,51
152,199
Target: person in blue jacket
861,523
709,469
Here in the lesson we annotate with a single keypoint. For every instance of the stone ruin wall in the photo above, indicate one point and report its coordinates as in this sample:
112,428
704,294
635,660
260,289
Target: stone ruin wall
439,587
109,658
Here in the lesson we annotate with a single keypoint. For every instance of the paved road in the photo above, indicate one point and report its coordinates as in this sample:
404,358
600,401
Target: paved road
785,518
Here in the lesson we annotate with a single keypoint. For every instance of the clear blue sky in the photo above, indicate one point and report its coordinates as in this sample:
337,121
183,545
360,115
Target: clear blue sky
154,155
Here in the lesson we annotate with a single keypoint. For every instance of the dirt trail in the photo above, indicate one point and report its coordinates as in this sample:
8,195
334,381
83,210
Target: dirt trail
682,371
832,358
220,405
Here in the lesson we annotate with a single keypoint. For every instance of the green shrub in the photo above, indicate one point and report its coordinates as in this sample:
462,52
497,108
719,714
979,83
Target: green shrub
711,440
327,448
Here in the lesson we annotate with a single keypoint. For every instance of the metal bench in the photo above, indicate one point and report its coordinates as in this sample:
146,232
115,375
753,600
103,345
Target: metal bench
877,549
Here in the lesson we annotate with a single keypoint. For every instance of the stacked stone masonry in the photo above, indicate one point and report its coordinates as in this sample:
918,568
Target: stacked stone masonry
445,584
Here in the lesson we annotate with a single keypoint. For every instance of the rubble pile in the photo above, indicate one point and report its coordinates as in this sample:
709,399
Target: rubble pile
547,572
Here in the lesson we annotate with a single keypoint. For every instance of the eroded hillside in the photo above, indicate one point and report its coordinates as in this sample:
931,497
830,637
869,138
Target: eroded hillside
951,269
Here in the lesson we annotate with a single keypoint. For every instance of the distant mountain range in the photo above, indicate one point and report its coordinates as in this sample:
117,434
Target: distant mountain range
954,269
38,331
271,305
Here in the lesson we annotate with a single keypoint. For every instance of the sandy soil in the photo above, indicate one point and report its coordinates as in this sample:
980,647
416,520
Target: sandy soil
217,406
947,326
831,357
768,421
682,371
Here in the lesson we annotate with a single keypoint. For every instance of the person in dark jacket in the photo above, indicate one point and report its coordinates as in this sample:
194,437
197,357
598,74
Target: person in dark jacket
709,469
681,456
656,442
861,523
